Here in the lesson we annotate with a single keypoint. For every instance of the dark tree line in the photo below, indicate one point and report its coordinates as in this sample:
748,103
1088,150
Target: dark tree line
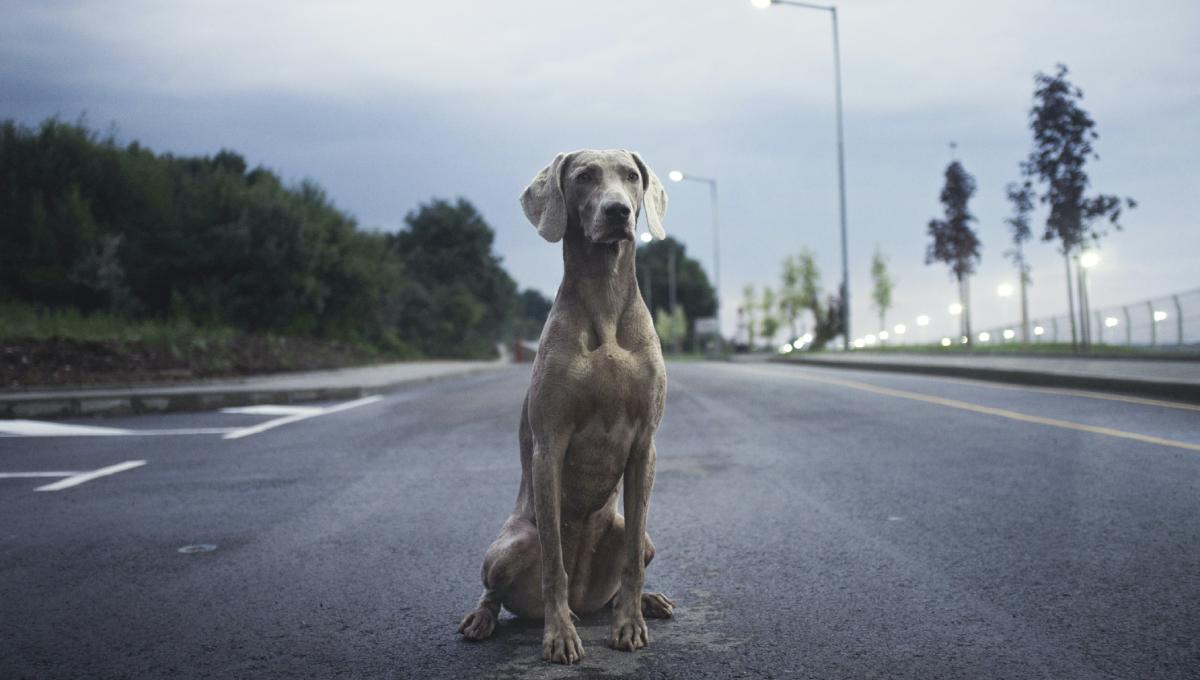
91,224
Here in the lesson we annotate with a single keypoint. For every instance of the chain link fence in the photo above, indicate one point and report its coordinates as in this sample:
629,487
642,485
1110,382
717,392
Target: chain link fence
1168,322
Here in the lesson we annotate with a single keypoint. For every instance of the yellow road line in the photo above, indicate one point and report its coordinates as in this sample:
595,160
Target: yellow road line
987,410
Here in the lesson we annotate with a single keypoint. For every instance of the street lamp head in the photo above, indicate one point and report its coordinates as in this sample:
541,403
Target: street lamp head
1004,290
761,4
923,320
675,176
1089,259
955,309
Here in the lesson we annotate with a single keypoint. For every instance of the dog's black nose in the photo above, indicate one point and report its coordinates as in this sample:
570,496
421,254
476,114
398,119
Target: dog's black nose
616,211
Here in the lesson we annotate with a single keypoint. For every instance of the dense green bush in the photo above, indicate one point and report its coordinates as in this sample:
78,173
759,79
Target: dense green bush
88,224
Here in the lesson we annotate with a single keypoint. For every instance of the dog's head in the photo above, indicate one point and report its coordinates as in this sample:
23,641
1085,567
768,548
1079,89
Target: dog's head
600,192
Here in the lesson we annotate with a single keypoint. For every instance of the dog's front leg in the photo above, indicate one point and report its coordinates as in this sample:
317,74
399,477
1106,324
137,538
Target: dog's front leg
629,627
560,642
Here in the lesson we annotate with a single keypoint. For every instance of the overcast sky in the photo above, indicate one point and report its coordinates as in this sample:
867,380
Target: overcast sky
389,104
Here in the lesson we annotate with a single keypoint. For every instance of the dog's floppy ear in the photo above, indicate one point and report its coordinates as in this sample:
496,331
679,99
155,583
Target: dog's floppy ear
543,201
655,197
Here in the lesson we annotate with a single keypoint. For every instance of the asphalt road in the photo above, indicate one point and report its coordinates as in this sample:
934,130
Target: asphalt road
809,524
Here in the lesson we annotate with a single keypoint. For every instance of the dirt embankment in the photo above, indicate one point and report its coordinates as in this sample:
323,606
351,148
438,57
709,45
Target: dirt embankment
29,362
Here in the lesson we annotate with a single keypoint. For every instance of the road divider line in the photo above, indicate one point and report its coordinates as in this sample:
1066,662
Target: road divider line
987,410
1087,394
80,478
297,417
29,475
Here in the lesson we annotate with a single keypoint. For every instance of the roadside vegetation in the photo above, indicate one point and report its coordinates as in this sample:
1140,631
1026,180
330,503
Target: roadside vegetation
108,242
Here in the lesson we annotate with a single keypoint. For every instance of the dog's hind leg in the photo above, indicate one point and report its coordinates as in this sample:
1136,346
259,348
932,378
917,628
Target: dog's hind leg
511,576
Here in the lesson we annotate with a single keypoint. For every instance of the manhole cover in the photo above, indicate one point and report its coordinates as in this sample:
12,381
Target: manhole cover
198,548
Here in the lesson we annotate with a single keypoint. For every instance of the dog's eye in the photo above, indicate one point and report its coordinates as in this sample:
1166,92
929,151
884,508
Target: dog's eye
583,177
632,177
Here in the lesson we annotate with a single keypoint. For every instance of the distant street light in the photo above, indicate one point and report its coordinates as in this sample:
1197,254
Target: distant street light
900,329
1009,334
946,342
985,336
923,320
1110,321
1087,260
837,88
883,335
955,309
1004,290
1160,315
1038,330
677,176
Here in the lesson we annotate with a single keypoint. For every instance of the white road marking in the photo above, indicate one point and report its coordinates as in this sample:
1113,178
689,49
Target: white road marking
39,428
26,475
288,414
80,478
270,410
312,412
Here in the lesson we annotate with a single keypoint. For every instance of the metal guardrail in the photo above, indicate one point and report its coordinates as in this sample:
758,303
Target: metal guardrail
1168,322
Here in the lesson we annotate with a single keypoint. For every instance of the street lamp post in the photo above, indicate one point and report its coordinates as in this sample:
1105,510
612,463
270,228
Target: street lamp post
837,87
677,176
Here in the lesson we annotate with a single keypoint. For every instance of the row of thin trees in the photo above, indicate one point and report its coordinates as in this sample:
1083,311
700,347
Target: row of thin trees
1053,175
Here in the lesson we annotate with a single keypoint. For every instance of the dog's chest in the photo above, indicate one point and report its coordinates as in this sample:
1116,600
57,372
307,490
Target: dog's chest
618,395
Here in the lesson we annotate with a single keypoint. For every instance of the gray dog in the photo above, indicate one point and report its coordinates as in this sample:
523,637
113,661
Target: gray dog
589,418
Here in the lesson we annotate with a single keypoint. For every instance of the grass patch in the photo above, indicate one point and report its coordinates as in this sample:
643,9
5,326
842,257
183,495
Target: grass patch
25,321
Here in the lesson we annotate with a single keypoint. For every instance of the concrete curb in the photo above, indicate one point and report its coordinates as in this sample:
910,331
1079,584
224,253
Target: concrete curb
68,403
1179,391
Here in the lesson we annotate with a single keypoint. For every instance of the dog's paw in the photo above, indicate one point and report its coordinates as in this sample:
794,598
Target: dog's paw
560,642
657,606
629,632
478,625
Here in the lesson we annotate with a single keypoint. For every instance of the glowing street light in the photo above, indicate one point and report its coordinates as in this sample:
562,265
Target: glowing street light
923,320
900,329
955,309
1089,259
1038,330
883,335
1110,321
985,336
1004,290
1009,334
945,342
1159,315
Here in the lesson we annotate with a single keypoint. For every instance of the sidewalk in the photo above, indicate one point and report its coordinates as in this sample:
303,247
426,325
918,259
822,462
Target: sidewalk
282,388
1165,378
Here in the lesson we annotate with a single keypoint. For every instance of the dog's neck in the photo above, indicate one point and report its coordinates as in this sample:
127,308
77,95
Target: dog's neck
601,278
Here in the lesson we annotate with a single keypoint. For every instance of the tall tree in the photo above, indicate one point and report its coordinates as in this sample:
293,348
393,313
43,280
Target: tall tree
1021,198
953,242
769,322
1063,134
693,292
881,286
749,311
790,308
